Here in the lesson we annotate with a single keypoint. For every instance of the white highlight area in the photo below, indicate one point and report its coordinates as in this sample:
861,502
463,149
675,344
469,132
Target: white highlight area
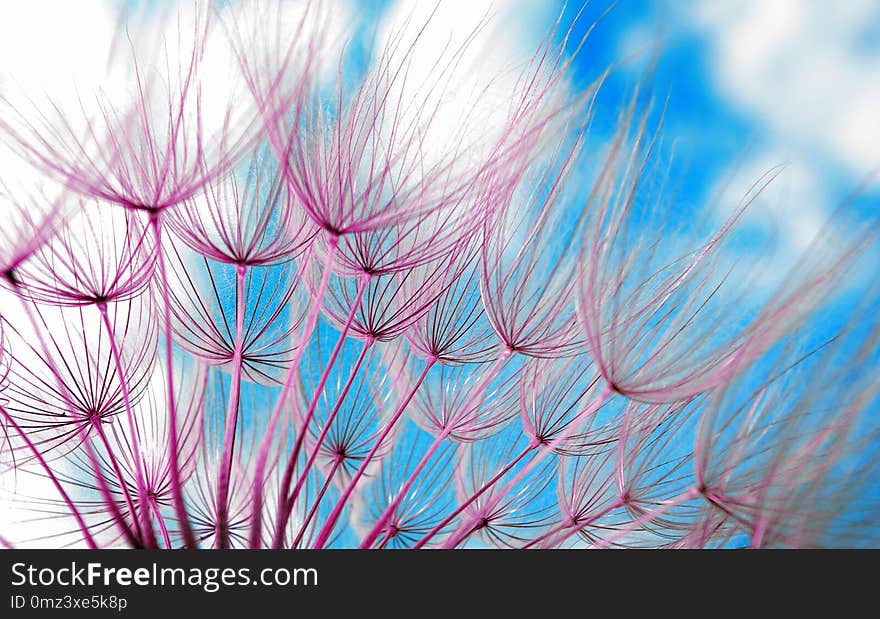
809,70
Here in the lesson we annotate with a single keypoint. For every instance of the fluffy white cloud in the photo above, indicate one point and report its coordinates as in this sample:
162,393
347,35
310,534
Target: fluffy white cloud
805,68
466,57
806,76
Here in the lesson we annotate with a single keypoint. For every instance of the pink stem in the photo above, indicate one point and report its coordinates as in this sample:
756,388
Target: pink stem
647,517
165,537
90,542
283,514
389,511
222,526
475,393
83,435
314,453
265,446
572,527
108,497
189,539
316,504
547,449
145,519
325,532
758,535
474,496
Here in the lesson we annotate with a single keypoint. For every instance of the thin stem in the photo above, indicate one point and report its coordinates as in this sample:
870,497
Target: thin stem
315,303
189,539
572,527
155,507
146,521
134,538
379,527
758,534
546,450
325,532
83,435
109,501
282,513
90,542
305,525
222,526
549,534
476,392
475,496
327,425
647,517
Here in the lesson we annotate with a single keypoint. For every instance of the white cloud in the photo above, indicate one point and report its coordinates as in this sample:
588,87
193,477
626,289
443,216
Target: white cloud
806,77
481,47
802,68
47,45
